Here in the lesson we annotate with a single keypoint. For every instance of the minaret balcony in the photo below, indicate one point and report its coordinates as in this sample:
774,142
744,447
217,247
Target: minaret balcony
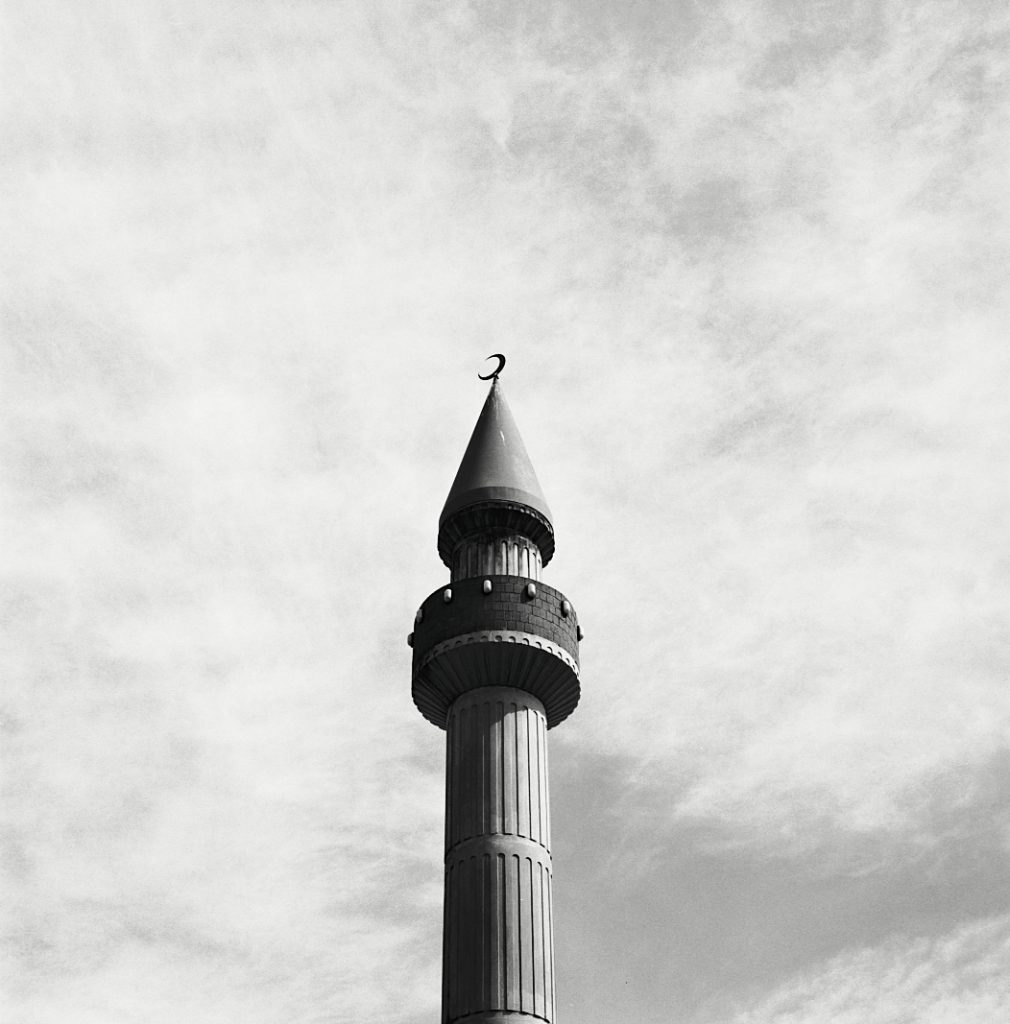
496,630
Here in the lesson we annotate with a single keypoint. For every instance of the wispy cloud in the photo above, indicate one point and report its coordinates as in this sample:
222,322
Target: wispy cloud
747,262
962,976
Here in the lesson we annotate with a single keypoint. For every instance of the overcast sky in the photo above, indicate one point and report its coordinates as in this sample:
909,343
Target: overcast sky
748,262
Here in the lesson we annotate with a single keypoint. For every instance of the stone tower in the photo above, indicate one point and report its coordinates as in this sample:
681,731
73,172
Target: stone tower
496,664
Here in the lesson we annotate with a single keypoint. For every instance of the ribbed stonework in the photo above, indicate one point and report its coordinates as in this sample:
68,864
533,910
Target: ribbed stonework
513,555
496,664
498,950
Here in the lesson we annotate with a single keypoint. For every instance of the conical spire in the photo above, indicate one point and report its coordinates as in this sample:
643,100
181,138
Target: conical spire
495,465
495,474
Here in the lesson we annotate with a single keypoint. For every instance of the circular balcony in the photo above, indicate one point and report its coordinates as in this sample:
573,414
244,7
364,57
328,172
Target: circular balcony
496,631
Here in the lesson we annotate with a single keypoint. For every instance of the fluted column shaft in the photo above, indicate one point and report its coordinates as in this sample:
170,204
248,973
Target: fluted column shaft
513,555
498,950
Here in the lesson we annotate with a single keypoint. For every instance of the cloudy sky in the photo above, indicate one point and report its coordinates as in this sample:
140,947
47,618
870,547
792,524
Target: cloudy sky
748,263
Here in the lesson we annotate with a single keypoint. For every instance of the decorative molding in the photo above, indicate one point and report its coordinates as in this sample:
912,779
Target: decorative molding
499,636
497,515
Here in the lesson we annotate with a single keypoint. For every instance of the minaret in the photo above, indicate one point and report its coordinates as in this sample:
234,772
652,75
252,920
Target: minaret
496,664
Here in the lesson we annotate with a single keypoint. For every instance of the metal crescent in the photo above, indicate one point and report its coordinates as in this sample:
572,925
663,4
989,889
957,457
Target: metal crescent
501,366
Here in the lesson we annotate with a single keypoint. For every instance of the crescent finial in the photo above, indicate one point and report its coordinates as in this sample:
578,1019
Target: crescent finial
494,373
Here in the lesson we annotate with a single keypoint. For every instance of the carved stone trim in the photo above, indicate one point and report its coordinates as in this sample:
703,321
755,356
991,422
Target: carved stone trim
488,517
500,636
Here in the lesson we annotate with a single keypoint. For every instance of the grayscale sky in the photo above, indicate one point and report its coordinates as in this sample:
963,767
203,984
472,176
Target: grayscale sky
748,261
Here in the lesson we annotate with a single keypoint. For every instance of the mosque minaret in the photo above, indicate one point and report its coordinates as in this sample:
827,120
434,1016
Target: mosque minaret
496,665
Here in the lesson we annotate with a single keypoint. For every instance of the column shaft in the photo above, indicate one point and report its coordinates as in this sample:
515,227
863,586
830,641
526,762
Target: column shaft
498,955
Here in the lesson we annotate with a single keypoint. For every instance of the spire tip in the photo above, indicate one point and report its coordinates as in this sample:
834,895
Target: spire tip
493,376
